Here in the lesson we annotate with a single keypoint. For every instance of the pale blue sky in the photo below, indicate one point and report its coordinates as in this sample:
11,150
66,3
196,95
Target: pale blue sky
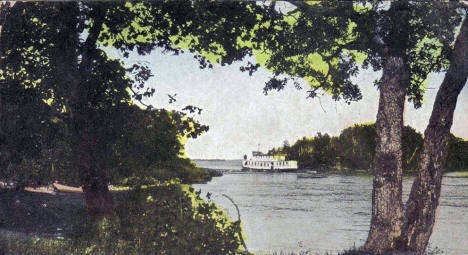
240,116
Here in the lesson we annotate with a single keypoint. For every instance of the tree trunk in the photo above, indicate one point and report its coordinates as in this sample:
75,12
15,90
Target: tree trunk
5,8
85,146
387,206
4,11
424,197
99,200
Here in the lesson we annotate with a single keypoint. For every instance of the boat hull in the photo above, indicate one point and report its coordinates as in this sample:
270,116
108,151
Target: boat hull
268,163
278,170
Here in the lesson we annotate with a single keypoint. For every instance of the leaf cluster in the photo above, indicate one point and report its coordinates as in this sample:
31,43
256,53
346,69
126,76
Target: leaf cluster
57,86
325,42
162,220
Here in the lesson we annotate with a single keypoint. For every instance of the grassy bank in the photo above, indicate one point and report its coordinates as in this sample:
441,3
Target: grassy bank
461,174
163,219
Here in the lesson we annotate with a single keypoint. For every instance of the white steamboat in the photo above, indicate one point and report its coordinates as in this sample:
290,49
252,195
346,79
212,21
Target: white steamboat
265,162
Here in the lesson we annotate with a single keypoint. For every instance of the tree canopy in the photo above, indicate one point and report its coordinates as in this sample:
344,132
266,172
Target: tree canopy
354,149
53,52
326,42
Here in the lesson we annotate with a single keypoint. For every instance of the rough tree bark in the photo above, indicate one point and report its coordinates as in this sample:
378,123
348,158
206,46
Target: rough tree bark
423,201
387,206
5,8
99,200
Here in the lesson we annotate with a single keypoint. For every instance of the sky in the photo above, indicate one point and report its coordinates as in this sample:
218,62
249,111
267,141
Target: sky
242,119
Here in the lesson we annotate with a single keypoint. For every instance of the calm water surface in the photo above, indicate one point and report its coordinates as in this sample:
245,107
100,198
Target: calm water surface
281,212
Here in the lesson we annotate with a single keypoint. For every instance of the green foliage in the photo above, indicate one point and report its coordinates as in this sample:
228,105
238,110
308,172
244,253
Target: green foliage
147,146
457,154
45,117
29,132
357,146
150,146
355,34
354,149
11,244
412,143
66,108
162,220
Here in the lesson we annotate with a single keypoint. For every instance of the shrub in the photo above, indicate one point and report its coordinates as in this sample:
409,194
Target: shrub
162,220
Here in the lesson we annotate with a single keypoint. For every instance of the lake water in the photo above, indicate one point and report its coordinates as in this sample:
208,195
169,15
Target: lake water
281,212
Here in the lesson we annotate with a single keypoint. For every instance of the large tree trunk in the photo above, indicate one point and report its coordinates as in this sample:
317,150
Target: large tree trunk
5,8
85,143
99,200
4,11
423,201
86,146
387,207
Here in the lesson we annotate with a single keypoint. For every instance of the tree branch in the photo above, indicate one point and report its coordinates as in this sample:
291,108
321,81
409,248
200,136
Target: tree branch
239,220
97,15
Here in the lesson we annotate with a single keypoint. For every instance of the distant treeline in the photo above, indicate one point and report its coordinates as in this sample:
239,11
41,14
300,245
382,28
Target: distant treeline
354,149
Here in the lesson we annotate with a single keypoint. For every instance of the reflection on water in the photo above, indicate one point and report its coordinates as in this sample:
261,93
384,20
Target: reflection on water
281,212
